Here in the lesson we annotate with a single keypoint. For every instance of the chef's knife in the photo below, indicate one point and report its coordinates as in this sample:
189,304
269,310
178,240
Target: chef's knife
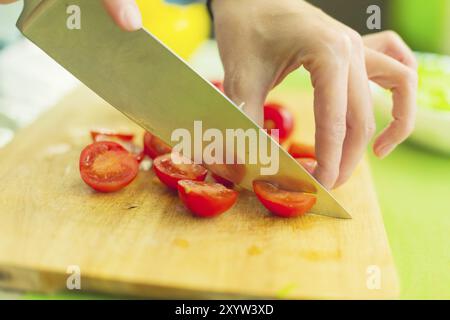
141,77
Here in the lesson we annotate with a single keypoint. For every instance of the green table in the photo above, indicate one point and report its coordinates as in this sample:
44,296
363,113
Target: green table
413,187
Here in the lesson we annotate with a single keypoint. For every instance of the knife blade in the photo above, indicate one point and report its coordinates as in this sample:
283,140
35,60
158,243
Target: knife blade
150,84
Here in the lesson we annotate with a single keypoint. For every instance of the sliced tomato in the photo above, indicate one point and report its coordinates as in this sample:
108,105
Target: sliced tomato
107,166
170,172
102,134
281,202
206,199
300,150
309,164
222,181
154,146
124,139
218,84
278,117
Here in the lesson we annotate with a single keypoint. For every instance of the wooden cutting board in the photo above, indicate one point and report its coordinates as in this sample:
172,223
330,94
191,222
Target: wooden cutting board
141,241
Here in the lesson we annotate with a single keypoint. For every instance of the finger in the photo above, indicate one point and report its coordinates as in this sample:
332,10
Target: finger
390,43
247,87
329,78
402,81
360,119
125,13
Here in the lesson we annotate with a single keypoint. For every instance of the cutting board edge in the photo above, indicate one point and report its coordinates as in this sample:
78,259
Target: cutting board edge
48,281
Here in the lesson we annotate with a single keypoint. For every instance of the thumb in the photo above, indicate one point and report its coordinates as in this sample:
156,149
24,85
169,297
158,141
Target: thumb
247,89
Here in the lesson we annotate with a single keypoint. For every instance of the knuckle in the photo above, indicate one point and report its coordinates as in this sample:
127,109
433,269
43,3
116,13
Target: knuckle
369,129
409,78
355,40
392,36
405,128
363,130
339,44
338,129
408,126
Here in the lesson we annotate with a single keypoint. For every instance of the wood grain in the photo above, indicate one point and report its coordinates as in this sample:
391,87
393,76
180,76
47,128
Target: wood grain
141,241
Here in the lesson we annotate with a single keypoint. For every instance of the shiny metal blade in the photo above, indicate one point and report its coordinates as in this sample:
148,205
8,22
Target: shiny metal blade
150,84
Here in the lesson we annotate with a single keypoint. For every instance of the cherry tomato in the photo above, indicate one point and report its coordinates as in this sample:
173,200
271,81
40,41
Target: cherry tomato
103,134
124,139
281,202
218,85
309,164
107,166
222,181
278,117
299,150
170,173
206,199
154,147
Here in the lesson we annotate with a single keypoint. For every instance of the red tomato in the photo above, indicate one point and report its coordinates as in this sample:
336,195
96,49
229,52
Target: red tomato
309,164
278,117
170,173
222,181
154,147
218,85
299,150
283,203
106,166
99,135
206,199
124,139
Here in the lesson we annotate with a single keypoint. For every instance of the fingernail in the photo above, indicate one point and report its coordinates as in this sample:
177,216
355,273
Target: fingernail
383,151
132,17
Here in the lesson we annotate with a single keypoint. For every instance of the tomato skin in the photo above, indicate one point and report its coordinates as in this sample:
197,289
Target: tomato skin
309,164
300,150
103,134
222,181
124,139
106,166
218,84
154,147
283,203
170,173
205,199
278,117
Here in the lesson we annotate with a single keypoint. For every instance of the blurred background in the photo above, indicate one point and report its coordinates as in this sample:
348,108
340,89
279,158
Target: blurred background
413,184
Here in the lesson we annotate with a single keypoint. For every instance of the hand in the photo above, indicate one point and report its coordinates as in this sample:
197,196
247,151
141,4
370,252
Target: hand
125,13
262,41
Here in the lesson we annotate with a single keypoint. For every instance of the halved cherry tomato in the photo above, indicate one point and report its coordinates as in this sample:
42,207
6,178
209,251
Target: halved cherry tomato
309,164
124,139
218,84
281,202
154,147
278,117
222,181
98,135
300,150
170,173
206,199
106,166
